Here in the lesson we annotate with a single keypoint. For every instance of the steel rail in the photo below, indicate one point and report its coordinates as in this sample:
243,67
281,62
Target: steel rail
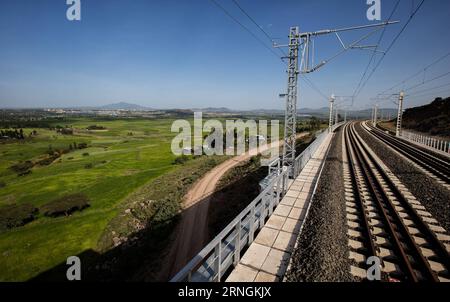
432,164
369,242
403,243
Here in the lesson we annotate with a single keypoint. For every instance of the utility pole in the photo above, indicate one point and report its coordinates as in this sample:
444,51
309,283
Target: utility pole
290,118
330,123
398,131
336,119
306,67
375,115
345,116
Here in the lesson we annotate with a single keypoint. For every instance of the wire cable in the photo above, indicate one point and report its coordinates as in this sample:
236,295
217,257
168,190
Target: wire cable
375,50
390,46
417,73
246,29
258,26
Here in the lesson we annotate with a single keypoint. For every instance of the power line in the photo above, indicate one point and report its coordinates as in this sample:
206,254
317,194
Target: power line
390,46
376,48
428,89
431,80
430,93
307,81
417,73
257,25
313,86
246,29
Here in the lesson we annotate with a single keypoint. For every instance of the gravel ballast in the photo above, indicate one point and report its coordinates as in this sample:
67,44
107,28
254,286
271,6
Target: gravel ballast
322,251
433,196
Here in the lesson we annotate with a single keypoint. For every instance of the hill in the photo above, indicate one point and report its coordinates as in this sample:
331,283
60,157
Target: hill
433,118
123,106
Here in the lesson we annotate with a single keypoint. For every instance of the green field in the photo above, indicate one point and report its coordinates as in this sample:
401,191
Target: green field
118,164
126,163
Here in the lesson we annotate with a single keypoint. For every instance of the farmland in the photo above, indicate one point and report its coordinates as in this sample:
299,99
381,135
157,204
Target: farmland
117,160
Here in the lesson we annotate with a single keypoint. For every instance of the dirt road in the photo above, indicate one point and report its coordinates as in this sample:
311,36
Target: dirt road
192,232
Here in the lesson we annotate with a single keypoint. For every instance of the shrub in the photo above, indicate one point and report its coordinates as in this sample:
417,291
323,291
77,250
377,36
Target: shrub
85,154
24,173
2,184
48,160
66,131
22,167
65,205
181,160
16,215
96,127
82,146
88,166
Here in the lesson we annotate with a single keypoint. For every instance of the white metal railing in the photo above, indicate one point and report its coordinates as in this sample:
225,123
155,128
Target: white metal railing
224,251
427,141
305,156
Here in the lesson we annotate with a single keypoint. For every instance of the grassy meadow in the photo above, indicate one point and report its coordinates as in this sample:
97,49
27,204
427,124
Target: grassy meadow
114,165
126,163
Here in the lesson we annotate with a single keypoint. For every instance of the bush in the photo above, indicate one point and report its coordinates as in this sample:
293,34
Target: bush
49,159
22,168
66,131
2,184
24,173
85,154
65,205
16,215
181,160
82,146
96,127
88,166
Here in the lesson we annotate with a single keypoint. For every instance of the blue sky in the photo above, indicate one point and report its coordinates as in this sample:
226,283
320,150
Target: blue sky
188,53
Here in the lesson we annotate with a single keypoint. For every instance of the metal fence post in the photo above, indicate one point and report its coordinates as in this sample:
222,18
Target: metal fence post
237,244
251,226
217,261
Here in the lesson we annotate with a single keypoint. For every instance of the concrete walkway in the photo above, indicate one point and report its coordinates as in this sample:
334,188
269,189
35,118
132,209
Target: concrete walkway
267,258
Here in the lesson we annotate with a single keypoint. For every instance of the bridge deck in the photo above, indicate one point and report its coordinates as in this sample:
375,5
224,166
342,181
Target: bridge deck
267,258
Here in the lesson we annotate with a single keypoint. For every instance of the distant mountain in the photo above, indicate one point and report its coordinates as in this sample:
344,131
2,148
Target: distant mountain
123,106
214,109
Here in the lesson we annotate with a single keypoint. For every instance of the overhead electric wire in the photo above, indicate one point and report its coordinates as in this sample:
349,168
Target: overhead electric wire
374,51
428,81
258,26
390,47
428,89
246,29
429,93
302,77
417,73
313,86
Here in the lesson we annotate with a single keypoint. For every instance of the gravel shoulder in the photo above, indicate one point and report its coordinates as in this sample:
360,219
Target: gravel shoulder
434,197
322,251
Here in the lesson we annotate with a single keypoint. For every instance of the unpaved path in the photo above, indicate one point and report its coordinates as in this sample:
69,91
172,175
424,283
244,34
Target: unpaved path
192,233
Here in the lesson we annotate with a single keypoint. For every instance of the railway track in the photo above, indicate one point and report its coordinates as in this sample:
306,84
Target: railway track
435,167
386,221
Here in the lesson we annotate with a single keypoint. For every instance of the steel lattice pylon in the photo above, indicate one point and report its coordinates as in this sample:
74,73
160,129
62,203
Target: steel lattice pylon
307,66
290,119
398,131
